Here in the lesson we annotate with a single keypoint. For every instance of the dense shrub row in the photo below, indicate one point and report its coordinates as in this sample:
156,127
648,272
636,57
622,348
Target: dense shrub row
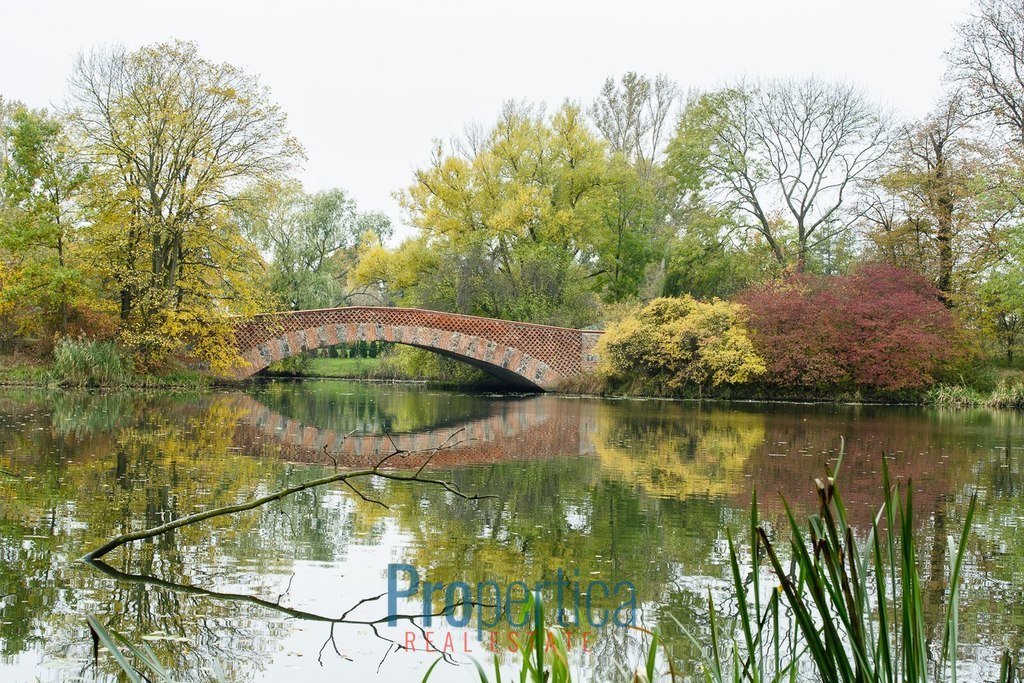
879,329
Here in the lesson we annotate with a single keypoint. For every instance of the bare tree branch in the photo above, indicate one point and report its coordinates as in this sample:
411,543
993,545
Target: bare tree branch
344,477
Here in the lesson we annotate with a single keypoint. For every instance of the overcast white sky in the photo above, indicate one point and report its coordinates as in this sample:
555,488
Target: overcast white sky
368,84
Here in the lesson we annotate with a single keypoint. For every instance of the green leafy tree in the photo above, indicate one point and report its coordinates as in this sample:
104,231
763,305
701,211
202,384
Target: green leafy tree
537,218
712,257
633,116
1001,296
313,240
41,176
507,220
632,231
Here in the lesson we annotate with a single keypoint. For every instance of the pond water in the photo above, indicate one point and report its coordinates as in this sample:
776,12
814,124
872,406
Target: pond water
603,490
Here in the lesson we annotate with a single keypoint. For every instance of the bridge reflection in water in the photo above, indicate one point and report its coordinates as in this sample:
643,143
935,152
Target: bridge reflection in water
526,429
664,449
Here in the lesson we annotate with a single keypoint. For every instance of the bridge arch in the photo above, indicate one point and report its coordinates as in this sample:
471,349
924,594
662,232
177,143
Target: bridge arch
527,356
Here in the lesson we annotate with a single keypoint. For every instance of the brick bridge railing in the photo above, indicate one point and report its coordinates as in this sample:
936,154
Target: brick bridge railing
525,355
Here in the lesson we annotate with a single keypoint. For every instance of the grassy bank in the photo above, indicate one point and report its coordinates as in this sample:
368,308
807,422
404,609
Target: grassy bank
78,363
346,368
18,372
402,364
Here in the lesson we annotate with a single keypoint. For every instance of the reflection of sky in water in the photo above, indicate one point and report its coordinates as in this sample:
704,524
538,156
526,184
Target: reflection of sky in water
640,490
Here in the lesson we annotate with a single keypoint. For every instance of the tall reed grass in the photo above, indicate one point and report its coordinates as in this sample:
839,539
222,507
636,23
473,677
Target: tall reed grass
138,662
546,657
89,363
1008,392
838,610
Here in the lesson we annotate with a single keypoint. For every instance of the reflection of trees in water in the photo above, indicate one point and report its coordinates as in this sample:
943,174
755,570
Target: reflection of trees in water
673,452
564,514
370,408
648,501
994,583
354,615
160,459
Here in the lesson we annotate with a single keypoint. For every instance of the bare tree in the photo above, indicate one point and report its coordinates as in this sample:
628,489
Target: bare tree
632,116
786,157
988,63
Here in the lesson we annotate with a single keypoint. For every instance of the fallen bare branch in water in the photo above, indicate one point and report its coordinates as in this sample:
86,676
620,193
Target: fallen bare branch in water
364,497
344,477
145,579
333,459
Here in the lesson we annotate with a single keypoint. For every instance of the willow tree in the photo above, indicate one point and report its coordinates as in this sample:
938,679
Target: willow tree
532,219
507,219
313,240
174,139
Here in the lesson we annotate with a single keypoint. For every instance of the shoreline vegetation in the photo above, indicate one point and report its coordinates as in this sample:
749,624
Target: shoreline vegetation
90,364
94,364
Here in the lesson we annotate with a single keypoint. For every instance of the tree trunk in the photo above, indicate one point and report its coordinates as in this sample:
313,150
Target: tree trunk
945,206
944,237
126,303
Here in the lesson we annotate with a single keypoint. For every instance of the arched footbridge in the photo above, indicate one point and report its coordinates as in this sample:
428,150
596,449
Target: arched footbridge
525,355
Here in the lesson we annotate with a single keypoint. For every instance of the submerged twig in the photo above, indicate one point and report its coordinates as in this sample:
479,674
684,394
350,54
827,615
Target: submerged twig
334,645
447,443
334,459
364,497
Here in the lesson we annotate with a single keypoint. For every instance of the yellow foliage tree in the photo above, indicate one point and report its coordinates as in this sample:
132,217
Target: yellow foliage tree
174,141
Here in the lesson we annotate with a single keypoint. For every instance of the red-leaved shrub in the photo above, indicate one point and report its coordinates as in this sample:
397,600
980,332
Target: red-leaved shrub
880,328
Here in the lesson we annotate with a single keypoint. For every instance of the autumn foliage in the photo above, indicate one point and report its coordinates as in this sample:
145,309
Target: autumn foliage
680,343
879,328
